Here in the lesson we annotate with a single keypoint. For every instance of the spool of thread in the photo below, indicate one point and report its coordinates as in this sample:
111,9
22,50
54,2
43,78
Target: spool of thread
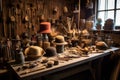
60,48
40,43
46,44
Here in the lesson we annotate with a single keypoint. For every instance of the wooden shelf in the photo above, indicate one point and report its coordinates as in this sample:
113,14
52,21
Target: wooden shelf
108,31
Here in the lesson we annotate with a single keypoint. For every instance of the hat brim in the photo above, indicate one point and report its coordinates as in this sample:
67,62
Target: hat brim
64,43
45,31
16,39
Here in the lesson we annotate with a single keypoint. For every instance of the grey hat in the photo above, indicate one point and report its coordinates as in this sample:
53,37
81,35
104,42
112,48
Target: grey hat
50,51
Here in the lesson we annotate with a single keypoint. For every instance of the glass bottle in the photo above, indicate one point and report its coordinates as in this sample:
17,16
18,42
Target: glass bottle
20,59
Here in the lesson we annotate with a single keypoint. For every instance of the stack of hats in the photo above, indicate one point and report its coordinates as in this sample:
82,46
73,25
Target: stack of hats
45,27
59,40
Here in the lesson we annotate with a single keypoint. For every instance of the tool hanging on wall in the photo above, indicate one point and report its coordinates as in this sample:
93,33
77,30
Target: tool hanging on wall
4,24
9,49
8,23
0,5
13,23
1,55
18,17
6,50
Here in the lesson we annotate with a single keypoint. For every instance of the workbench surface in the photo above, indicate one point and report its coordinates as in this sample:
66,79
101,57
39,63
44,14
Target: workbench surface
41,69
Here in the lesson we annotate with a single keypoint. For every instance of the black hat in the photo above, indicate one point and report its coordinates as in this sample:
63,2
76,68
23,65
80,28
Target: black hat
50,51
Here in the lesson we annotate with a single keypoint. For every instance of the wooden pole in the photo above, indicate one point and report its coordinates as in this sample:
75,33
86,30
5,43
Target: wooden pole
0,5
79,15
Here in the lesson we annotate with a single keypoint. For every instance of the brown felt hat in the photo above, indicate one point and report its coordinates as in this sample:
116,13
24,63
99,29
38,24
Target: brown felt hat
59,40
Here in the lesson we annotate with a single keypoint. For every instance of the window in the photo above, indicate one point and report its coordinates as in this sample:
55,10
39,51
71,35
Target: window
109,9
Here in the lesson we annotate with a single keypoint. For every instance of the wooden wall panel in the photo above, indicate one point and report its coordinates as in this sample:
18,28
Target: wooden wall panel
20,9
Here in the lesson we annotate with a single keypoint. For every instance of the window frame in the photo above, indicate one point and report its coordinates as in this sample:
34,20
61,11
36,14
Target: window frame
115,10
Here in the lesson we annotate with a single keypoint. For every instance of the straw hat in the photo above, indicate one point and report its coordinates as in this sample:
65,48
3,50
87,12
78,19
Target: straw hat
34,52
101,45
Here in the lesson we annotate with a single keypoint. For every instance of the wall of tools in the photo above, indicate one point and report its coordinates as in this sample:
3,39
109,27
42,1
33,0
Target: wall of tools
19,16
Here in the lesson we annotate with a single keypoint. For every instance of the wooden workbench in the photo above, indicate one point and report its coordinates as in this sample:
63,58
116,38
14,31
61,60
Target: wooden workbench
67,68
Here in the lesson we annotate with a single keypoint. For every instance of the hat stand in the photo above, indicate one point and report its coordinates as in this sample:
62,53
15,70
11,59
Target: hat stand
60,48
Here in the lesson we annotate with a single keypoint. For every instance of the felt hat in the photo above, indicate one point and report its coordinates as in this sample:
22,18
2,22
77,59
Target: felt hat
59,40
34,52
101,45
45,27
50,52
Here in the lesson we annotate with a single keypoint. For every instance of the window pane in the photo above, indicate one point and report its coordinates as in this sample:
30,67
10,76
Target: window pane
118,18
118,3
110,14
110,4
102,16
106,15
101,5
106,5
